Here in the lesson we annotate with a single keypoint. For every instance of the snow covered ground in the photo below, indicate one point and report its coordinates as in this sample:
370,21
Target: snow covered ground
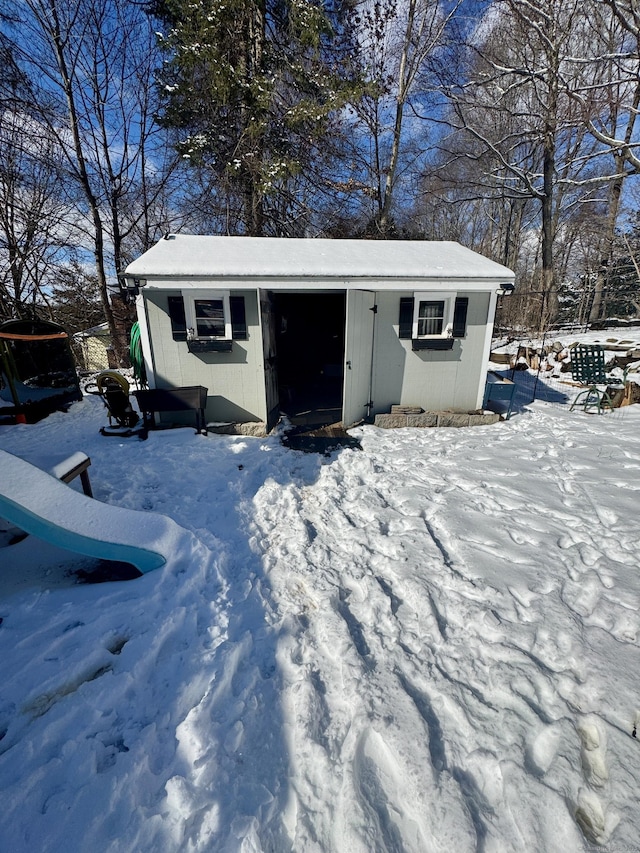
429,644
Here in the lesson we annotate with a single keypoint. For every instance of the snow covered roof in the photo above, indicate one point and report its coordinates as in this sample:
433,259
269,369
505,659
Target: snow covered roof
95,331
272,257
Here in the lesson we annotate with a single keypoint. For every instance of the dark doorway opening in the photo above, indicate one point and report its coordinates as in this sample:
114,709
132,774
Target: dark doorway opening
310,330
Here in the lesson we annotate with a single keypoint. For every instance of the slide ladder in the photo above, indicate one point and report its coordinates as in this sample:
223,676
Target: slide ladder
40,504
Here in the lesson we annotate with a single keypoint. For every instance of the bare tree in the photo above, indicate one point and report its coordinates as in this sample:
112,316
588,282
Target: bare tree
395,44
518,104
610,107
36,223
128,156
90,66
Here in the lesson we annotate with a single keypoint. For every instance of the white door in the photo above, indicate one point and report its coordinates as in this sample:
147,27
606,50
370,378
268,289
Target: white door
269,352
358,355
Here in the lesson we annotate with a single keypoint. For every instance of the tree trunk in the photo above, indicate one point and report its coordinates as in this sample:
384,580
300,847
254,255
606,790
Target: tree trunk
549,308
615,196
250,61
401,98
83,176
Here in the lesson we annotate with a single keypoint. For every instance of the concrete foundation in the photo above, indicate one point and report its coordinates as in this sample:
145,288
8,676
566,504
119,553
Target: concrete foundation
257,429
436,419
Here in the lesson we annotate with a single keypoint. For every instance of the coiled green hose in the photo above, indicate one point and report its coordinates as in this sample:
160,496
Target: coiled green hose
135,354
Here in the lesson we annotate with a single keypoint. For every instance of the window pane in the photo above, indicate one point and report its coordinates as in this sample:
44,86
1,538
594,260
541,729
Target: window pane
430,318
209,318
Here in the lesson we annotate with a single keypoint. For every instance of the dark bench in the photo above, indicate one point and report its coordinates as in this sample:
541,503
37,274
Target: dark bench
190,399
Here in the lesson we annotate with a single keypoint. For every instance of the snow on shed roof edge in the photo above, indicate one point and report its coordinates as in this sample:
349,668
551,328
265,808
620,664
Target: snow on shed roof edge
279,257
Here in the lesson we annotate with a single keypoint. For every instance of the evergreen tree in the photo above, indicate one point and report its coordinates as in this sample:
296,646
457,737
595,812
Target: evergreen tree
621,297
252,87
75,299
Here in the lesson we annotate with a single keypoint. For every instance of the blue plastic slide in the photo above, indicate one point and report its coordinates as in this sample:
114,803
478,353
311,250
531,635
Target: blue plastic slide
42,505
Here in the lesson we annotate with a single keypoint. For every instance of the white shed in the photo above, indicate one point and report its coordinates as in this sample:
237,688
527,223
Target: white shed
93,346
323,331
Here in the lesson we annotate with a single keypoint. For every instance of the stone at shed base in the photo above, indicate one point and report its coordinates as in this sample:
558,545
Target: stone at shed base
390,421
449,419
436,419
428,419
484,419
258,429
406,410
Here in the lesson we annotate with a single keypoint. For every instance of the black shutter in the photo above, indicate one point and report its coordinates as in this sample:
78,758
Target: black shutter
178,319
460,317
238,318
405,321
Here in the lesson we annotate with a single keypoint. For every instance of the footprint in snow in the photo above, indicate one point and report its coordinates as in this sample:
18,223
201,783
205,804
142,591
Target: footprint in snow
592,817
588,554
386,794
626,628
542,751
583,596
606,517
593,751
522,538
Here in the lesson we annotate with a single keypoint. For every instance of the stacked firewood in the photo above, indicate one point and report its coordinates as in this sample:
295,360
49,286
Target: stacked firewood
555,359
557,356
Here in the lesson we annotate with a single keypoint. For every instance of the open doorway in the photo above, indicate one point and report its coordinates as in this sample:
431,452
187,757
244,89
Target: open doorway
310,332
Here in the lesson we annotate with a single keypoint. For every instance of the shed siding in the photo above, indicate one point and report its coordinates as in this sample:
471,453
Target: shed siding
432,379
235,379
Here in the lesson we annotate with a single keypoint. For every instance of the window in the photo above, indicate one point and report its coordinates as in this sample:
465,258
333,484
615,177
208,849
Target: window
208,315
430,317
208,321
433,320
